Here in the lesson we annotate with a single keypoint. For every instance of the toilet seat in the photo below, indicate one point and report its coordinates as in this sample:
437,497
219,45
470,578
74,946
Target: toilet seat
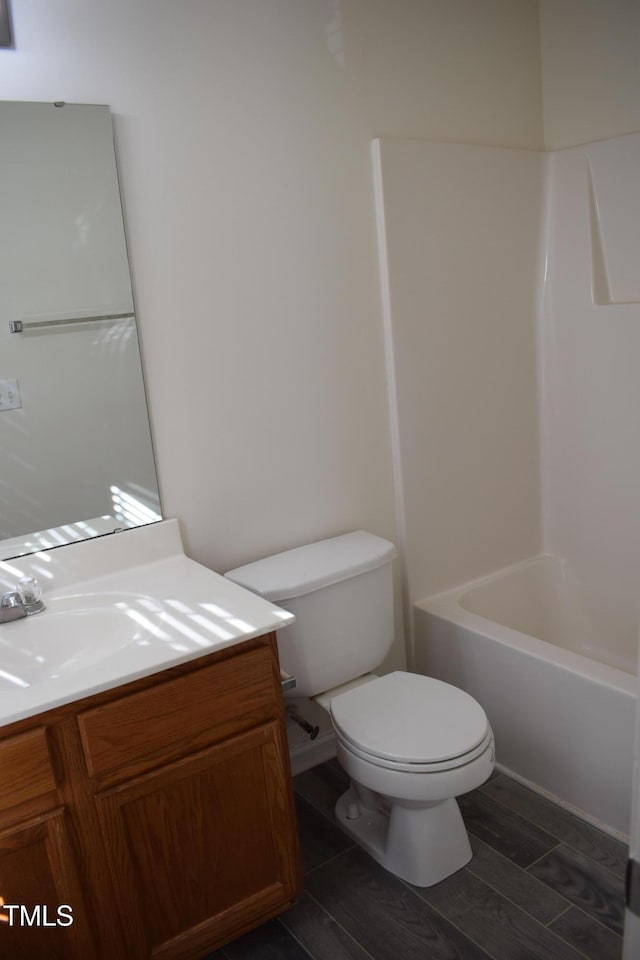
406,721
428,767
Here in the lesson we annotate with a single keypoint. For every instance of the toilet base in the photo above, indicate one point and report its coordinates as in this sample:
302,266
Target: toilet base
420,844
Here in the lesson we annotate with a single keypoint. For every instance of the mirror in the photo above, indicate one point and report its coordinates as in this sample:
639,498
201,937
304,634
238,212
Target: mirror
76,458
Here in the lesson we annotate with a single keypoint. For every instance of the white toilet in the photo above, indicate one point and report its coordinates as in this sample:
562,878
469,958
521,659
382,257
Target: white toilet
409,743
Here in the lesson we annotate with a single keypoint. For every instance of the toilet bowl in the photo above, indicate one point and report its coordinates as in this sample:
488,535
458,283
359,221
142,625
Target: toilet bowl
410,745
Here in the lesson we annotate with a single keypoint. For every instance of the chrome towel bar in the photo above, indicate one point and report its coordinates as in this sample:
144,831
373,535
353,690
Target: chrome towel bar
19,326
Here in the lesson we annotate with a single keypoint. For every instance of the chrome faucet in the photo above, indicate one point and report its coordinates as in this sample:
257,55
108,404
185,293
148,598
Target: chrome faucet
24,600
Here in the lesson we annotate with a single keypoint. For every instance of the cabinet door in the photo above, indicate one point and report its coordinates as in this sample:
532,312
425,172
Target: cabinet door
38,873
203,849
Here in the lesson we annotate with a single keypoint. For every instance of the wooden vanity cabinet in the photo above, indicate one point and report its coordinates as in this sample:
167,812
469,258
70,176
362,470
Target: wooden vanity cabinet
38,858
178,788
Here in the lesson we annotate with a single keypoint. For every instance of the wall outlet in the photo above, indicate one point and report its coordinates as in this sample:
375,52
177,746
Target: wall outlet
10,398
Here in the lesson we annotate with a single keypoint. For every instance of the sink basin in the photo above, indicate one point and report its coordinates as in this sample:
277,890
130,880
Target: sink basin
118,608
72,634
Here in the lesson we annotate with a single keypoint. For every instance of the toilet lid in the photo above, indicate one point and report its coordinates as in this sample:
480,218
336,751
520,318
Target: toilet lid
410,718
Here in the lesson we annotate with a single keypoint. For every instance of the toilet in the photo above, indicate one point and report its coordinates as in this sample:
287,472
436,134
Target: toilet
410,744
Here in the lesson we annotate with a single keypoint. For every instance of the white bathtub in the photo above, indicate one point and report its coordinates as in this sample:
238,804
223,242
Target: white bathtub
555,673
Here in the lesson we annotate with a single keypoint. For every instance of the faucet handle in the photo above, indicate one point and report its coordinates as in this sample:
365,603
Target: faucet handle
31,594
10,600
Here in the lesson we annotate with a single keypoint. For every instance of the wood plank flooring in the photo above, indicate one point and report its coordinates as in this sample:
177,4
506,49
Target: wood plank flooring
542,885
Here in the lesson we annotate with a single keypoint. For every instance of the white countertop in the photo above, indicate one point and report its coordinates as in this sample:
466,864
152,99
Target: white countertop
118,608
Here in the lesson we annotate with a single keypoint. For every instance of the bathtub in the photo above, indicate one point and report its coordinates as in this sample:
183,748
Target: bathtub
526,642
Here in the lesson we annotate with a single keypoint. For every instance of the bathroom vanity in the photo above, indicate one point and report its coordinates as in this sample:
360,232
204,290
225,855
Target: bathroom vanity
146,807
154,807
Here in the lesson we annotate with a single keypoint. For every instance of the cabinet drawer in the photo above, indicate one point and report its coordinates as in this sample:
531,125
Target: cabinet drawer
25,768
180,715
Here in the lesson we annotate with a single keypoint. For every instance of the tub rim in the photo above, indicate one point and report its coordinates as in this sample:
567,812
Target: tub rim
446,606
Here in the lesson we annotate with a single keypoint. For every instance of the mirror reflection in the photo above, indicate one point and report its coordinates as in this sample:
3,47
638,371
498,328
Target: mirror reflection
76,458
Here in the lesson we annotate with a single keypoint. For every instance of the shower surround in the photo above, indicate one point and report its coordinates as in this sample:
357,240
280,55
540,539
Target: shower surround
512,321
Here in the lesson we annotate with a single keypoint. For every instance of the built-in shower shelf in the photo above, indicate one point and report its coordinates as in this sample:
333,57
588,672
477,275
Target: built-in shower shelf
614,198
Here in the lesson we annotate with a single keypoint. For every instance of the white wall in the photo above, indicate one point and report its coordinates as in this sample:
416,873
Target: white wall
590,69
460,237
243,130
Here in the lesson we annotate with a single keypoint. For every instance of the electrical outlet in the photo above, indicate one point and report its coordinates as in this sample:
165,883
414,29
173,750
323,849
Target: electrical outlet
10,398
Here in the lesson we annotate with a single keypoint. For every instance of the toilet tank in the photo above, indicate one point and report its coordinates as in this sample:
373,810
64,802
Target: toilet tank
341,593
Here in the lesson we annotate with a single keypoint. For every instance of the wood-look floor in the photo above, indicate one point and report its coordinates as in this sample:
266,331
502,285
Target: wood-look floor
542,885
